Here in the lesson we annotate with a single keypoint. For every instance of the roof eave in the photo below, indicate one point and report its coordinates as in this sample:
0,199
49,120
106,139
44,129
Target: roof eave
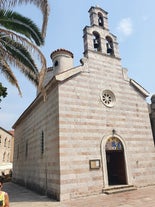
143,91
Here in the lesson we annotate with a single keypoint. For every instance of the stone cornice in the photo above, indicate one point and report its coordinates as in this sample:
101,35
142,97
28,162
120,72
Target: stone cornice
139,87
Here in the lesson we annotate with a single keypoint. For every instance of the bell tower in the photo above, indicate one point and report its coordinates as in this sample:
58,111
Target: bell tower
97,37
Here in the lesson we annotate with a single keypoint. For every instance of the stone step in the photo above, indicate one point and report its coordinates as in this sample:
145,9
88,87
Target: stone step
118,189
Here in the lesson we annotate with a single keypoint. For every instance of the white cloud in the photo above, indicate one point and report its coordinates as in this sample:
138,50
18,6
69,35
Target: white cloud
125,27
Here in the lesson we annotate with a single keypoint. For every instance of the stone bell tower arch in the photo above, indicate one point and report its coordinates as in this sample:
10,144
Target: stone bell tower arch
97,37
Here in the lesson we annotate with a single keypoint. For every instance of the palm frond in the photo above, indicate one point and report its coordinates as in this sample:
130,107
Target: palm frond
20,24
27,44
42,4
33,77
18,51
6,70
30,47
19,38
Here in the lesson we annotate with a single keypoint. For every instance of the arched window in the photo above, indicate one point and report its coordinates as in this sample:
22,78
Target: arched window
100,20
114,143
42,142
18,152
5,141
8,143
26,149
4,155
109,45
97,42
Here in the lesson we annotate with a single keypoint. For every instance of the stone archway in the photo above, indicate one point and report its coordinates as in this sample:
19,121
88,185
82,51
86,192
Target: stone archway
115,160
116,167
116,170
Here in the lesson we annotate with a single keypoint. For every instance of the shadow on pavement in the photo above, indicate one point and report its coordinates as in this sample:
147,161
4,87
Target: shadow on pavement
19,193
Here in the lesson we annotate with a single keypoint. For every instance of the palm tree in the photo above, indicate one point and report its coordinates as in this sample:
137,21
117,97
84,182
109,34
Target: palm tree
19,41
16,46
42,4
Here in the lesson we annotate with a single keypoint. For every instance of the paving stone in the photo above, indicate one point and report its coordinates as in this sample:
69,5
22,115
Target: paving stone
22,197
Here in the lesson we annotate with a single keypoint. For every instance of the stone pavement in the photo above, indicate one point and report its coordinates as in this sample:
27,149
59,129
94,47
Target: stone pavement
22,197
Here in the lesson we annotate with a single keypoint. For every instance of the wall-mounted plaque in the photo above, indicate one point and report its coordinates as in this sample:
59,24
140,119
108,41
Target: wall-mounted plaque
94,164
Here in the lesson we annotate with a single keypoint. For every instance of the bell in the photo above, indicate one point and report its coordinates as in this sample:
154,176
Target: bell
109,50
96,45
100,21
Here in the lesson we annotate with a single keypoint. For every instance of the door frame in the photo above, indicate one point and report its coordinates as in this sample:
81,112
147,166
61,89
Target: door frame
104,160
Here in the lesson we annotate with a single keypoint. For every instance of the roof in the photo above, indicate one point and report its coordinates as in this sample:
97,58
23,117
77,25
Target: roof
61,51
97,7
143,91
58,78
9,132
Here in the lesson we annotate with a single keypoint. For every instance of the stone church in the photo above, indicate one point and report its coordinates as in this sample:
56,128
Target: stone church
93,133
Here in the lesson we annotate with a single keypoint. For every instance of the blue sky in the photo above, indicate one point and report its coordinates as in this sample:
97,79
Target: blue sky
132,23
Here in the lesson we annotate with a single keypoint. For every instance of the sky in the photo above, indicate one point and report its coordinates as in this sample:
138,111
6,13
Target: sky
132,23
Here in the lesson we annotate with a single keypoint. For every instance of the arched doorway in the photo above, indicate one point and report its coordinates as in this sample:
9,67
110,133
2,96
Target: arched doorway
115,159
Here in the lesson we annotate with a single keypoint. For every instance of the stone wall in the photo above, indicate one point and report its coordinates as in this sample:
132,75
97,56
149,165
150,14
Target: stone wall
85,122
36,165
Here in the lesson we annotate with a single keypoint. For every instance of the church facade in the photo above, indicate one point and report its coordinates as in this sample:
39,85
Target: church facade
93,132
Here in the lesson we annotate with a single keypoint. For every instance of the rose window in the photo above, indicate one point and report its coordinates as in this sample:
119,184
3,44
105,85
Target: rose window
108,98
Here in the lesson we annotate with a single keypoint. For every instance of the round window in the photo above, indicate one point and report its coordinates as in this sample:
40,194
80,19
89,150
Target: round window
108,98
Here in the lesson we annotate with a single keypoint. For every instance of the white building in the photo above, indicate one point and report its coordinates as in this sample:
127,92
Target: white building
6,150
